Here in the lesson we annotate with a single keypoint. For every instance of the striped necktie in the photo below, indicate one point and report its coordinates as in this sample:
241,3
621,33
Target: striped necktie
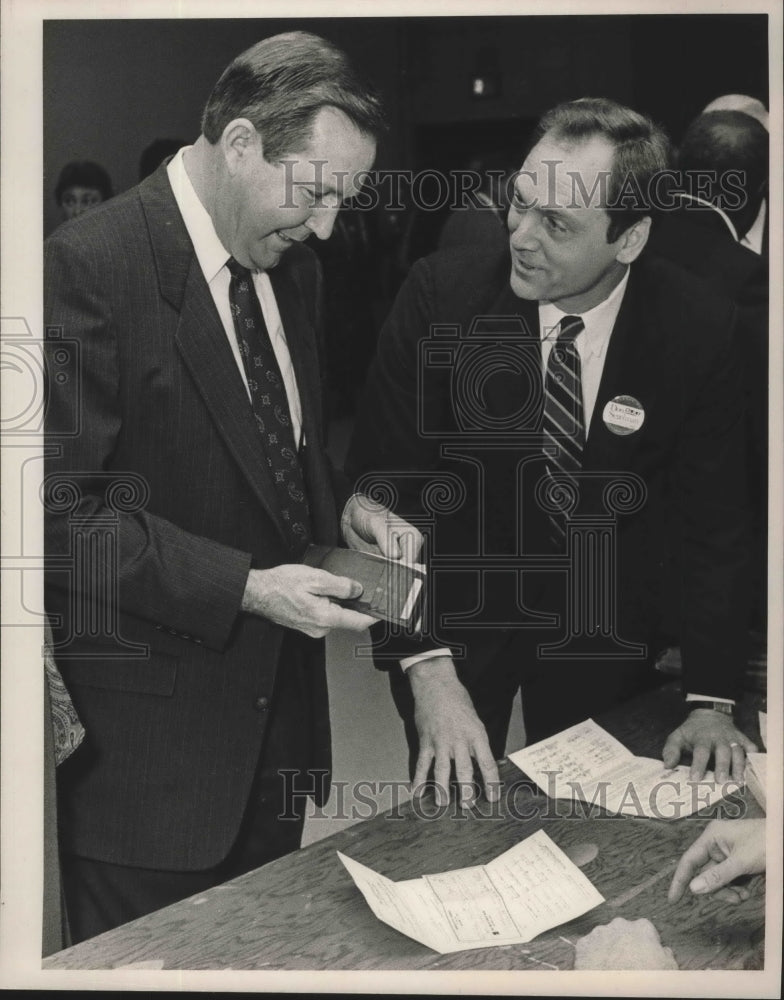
563,425
270,404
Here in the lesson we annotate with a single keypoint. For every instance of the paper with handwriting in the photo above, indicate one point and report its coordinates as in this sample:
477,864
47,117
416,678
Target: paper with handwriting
586,763
525,891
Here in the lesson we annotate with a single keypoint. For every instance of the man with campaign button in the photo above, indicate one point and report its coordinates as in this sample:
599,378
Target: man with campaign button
597,494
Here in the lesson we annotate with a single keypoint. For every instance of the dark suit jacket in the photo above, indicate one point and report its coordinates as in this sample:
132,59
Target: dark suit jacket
148,392
698,241
672,349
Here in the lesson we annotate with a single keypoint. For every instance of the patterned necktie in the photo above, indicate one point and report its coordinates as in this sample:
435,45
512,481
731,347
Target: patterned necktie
270,404
563,426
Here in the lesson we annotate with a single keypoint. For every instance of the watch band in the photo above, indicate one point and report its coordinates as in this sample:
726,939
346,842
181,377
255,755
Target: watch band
716,706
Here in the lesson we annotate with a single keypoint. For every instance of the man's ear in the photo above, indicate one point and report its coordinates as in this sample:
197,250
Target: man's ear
632,241
237,140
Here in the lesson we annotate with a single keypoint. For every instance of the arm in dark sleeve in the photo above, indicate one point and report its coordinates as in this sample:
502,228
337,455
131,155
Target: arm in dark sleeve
711,484
389,456
164,574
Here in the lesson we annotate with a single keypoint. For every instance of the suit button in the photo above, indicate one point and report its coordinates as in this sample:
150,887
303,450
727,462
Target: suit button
262,704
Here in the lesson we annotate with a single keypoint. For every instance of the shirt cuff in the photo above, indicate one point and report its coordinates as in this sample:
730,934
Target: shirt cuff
409,661
709,697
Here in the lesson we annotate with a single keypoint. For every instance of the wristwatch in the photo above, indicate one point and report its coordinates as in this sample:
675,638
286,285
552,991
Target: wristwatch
717,706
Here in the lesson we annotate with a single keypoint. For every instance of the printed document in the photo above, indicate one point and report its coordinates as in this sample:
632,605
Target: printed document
525,891
585,762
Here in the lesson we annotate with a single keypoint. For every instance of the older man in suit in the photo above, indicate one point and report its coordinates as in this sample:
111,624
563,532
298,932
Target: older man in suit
531,384
187,476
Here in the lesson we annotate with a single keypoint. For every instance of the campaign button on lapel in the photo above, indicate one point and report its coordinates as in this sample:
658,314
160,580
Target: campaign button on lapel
623,415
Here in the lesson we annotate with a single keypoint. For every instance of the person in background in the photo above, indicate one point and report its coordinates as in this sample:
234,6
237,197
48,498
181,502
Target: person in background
720,146
740,102
81,186
714,230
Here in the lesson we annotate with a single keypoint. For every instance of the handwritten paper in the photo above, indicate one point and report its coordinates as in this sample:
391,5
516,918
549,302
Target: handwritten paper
520,894
586,763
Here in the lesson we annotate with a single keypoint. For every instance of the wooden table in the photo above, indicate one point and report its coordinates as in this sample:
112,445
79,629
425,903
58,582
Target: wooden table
303,911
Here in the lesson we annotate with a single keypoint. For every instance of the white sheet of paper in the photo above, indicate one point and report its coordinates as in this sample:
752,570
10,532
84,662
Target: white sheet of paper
757,777
763,728
523,892
585,762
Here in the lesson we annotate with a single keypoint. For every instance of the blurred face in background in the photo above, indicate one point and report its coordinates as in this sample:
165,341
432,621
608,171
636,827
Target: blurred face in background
76,200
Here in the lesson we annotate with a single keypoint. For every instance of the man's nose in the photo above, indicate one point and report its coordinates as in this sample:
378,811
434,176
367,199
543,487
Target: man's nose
524,236
322,222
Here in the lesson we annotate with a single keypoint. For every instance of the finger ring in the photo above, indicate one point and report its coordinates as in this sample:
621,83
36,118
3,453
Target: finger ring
734,745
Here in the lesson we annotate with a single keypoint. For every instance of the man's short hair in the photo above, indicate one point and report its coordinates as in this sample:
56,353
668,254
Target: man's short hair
724,141
642,150
84,174
281,83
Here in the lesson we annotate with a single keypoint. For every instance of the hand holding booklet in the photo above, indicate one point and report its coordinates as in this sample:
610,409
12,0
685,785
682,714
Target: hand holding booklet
391,590
525,891
585,762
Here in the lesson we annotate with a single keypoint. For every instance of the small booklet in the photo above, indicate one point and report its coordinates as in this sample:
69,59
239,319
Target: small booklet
585,762
391,591
525,891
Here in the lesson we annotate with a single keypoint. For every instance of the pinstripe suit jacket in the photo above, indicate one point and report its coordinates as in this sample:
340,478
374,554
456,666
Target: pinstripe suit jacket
174,687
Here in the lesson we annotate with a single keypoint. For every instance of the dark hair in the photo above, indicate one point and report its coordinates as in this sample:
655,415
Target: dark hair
724,141
281,83
154,155
83,174
642,150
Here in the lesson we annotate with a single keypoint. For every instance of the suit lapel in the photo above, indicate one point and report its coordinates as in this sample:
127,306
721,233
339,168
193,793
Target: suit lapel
202,342
630,369
510,388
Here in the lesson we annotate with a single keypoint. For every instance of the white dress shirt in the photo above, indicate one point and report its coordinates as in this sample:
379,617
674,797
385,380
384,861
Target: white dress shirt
212,257
591,342
753,238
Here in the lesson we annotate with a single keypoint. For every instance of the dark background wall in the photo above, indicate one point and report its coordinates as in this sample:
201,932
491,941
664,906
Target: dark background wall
112,86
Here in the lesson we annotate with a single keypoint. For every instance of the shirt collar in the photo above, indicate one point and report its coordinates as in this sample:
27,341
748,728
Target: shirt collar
701,201
598,322
210,252
753,238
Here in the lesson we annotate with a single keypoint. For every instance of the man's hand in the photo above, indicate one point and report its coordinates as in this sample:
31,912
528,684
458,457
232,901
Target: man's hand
725,850
370,527
623,944
299,597
707,733
449,730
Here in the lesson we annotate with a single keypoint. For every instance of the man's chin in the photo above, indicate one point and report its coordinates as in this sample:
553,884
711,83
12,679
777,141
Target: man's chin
522,287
